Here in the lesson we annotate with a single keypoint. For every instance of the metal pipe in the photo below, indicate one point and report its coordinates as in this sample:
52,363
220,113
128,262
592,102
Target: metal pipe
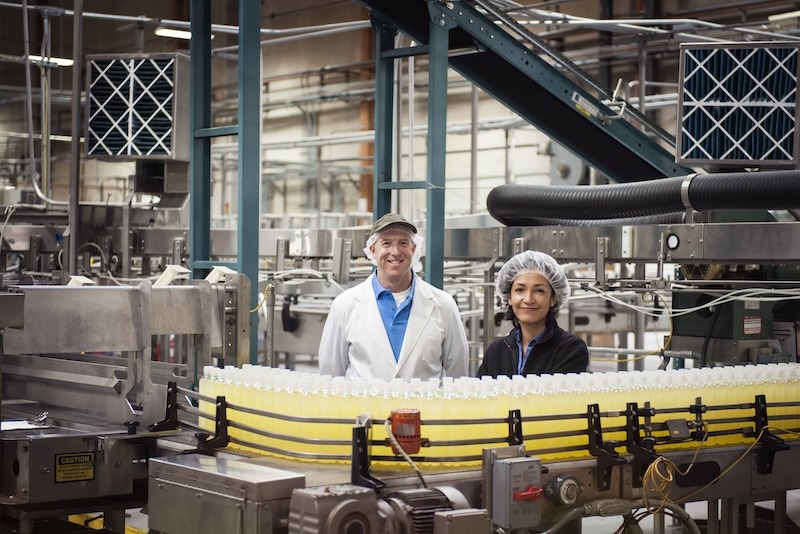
75,163
45,104
683,354
28,94
411,107
186,25
575,513
270,328
473,153
29,111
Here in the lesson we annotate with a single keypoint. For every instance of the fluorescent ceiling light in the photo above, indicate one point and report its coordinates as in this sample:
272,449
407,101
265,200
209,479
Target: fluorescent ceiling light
784,16
175,34
60,61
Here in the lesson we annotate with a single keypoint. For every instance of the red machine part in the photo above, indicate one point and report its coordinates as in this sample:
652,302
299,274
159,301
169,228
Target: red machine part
407,427
532,494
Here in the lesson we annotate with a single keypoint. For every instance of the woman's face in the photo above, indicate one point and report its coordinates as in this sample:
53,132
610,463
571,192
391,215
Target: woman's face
531,298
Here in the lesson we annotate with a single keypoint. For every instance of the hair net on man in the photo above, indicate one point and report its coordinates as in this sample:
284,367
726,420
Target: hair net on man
536,262
392,221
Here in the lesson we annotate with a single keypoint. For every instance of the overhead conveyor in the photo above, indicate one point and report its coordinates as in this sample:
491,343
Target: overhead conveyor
513,65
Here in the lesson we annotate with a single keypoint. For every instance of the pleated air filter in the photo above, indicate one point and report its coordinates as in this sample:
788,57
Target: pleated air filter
137,107
739,105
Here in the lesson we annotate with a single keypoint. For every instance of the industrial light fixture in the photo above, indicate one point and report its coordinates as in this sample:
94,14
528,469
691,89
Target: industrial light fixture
60,61
175,34
784,16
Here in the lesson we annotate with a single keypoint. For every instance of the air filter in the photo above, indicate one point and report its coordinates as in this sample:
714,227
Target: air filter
137,107
739,105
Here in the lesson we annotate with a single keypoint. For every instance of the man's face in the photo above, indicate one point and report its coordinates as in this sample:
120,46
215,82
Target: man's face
393,251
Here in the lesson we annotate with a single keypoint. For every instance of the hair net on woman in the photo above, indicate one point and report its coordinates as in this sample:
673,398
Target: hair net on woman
536,262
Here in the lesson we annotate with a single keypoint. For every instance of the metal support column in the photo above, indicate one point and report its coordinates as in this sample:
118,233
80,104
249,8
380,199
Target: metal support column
384,118
75,130
437,137
437,134
249,155
200,151
249,134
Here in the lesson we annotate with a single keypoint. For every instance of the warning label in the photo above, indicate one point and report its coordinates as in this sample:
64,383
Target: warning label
74,467
752,324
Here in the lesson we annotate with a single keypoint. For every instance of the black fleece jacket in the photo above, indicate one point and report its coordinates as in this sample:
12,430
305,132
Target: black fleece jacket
559,351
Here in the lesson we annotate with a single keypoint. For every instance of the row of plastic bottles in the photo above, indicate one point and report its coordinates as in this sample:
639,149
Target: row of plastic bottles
308,398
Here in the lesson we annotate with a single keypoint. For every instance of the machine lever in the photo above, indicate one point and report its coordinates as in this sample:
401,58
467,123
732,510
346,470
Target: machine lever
532,494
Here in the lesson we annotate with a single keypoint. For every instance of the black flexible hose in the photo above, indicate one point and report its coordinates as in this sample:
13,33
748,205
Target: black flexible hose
521,205
712,323
667,218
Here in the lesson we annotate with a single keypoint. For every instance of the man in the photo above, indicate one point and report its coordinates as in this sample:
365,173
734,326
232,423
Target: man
394,324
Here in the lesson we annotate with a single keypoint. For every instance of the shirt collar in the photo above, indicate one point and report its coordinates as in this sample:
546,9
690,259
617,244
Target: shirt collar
377,288
518,335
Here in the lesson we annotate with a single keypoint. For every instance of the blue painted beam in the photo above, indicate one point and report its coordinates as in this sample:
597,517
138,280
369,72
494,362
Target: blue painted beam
200,150
249,118
437,148
384,118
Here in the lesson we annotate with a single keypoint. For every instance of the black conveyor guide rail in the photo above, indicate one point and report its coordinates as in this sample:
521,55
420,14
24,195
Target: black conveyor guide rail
536,90
746,421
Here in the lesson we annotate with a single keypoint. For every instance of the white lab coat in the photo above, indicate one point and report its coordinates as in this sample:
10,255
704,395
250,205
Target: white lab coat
354,342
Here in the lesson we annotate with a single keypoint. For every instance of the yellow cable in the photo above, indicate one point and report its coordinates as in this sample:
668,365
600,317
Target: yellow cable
263,299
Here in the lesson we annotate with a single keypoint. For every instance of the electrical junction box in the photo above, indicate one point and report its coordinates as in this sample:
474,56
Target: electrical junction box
511,479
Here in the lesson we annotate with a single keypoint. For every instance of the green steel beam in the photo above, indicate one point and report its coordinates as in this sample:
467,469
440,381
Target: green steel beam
384,117
200,150
249,154
437,147
537,90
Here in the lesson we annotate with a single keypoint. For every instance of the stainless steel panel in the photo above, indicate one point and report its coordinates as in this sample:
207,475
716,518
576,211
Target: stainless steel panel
472,243
41,475
752,242
81,375
178,310
158,241
79,319
226,476
17,237
176,509
12,311
784,471
467,521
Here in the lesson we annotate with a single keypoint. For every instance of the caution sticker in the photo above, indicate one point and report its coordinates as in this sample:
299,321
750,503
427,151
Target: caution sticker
74,467
584,105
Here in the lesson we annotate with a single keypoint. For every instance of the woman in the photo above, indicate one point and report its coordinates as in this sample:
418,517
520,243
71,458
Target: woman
534,287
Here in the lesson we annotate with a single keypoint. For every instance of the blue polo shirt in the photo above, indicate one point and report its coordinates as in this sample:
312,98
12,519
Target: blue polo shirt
394,317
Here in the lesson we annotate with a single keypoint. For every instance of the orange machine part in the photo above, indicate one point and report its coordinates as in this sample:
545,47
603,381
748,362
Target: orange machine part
406,427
